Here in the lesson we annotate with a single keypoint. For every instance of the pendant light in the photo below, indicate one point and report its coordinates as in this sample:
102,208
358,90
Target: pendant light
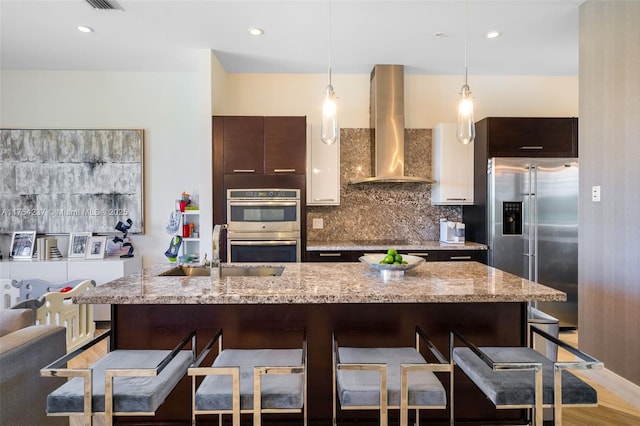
466,128
329,131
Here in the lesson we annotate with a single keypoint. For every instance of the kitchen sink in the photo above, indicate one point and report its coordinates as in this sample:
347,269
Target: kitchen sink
187,271
226,271
252,271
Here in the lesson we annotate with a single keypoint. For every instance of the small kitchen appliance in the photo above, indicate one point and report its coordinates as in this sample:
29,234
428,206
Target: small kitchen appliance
451,232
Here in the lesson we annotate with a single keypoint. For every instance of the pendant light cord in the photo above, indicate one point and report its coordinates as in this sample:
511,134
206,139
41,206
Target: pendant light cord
466,29
329,42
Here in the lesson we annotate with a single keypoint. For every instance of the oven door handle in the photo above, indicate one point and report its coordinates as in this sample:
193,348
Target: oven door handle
263,243
263,203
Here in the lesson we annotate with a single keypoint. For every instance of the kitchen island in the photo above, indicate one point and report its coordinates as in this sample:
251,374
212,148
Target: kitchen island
486,304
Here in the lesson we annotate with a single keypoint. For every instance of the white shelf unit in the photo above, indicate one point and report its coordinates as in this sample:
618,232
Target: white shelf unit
190,244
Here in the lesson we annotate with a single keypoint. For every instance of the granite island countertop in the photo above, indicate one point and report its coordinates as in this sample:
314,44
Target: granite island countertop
326,283
400,245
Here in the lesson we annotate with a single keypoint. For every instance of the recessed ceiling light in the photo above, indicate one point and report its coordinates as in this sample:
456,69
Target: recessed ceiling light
84,29
256,31
494,34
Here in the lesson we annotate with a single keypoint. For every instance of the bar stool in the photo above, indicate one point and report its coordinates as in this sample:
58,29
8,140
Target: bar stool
123,382
386,378
521,377
253,381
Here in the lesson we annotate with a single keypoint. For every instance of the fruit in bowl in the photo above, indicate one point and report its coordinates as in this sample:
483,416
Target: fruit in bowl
393,258
391,261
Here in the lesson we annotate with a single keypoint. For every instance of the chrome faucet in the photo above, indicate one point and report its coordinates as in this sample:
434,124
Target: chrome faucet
215,261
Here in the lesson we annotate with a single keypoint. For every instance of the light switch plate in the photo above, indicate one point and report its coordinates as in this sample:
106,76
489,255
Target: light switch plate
595,194
318,223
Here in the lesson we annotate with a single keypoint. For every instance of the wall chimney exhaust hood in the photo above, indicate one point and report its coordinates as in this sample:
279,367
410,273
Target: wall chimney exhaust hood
387,122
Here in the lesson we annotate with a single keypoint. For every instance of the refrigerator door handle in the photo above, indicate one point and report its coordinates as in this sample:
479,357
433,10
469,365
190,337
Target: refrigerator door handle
535,224
531,217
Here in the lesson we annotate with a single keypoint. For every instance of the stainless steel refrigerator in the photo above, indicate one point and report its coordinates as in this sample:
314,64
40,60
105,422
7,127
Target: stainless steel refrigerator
532,208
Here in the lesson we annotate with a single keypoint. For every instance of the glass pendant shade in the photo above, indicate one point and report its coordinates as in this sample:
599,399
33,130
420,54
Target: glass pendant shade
466,128
330,131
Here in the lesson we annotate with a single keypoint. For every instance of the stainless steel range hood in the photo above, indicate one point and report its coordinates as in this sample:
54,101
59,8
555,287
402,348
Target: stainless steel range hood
387,122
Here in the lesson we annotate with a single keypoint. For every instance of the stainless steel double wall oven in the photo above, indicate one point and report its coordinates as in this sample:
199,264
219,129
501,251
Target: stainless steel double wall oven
263,225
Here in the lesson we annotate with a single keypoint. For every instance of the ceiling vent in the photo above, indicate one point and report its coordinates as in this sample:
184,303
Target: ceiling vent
104,4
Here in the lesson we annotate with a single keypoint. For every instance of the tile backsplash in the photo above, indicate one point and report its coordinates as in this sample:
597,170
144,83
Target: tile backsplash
372,211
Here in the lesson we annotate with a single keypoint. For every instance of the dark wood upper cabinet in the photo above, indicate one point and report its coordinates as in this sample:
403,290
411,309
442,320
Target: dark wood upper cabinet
243,144
264,145
528,137
285,145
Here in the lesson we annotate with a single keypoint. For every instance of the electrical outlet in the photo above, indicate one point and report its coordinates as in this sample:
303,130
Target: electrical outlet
318,223
595,194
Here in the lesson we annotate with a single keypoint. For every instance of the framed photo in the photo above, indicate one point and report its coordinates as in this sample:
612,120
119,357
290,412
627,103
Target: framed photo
22,244
78,243
96,247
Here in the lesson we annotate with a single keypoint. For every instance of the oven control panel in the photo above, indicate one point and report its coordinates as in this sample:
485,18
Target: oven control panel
263,194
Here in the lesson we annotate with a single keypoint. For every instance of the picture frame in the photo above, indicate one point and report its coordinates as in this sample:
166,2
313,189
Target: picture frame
96,246
78,243
22,244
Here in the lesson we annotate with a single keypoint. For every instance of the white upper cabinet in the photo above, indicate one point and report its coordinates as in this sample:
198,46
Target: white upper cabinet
452,165
323,172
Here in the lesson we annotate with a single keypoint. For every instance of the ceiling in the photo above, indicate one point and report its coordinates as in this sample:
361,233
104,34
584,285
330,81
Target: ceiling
539,37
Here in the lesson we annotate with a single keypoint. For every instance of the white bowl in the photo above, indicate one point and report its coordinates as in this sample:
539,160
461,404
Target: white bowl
373,260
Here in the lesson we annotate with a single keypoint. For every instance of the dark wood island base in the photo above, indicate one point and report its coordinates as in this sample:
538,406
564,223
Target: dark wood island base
374,324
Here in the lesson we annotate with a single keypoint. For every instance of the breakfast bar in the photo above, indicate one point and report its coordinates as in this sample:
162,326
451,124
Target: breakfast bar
488,305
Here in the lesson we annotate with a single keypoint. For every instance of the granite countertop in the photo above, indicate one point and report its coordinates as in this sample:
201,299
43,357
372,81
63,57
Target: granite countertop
325,282
384,245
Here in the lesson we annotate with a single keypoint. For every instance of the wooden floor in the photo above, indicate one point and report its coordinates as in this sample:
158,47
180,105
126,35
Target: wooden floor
618,399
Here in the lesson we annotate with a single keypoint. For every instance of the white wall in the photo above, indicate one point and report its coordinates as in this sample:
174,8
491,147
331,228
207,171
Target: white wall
165,105
174,109
428,99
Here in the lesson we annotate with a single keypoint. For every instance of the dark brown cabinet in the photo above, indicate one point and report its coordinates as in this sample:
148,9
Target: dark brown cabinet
462,255
243,144
331,256
263,145
428,255
285,145
527,137
258,152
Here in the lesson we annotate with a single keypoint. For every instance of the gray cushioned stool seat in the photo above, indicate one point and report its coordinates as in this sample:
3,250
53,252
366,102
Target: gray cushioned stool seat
131,394
517,387
282,391
362,388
